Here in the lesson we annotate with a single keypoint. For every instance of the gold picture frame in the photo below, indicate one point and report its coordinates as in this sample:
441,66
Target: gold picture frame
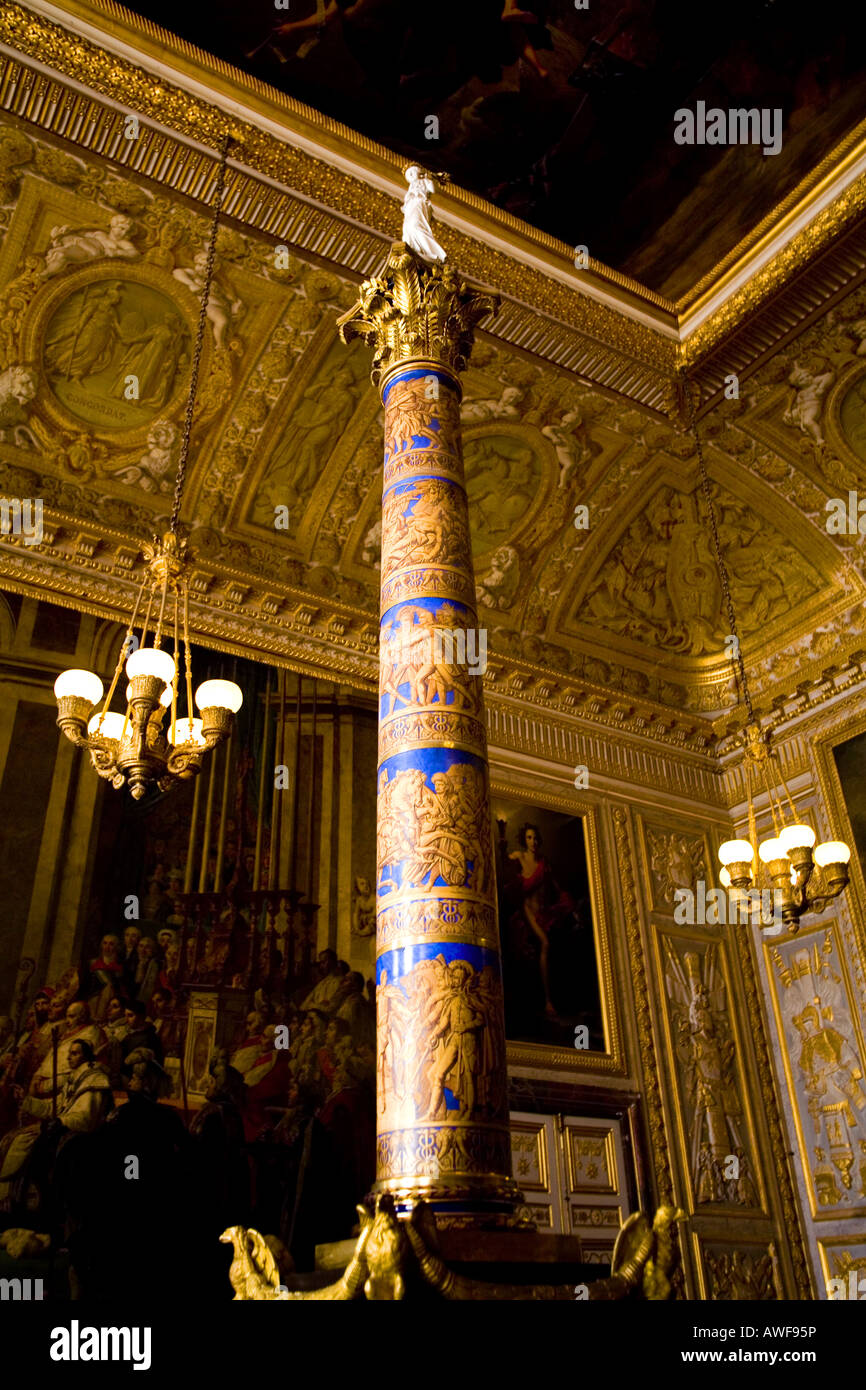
611,1061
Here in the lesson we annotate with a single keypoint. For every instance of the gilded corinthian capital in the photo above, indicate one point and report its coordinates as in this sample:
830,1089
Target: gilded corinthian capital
414,311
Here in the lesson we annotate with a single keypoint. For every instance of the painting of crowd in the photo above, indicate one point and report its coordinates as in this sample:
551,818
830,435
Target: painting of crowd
99,1152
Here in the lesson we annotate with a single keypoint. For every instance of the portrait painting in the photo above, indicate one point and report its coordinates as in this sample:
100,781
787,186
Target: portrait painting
546,926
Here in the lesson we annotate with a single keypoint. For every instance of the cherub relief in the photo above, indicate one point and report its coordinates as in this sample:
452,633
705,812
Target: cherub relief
70,246
154,470
811,385
221,310
506,407
676,860
17,391
497,586
570,444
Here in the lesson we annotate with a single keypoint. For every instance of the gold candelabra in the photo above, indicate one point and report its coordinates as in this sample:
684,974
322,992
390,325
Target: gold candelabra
805,875
134,748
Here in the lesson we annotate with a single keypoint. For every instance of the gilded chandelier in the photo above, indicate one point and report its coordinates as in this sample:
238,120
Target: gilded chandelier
805,876
139,748
790,857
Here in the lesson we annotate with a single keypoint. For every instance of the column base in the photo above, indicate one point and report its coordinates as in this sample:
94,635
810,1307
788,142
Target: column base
458,1200
402,1257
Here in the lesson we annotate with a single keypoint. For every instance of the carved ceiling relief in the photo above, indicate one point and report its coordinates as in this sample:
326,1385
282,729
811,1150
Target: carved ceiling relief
659,585
98,284
799,427
101,319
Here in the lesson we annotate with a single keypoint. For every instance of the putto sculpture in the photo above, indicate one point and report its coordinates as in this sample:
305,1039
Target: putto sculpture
417,232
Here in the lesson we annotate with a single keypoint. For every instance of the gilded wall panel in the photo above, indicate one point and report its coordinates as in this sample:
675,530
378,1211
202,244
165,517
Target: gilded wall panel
675,859
824,1060
741,1271
714,1126
844,1258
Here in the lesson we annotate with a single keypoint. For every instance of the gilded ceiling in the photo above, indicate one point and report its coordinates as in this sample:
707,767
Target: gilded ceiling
593,562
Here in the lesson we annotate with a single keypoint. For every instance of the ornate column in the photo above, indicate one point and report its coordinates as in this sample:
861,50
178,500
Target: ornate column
442,1097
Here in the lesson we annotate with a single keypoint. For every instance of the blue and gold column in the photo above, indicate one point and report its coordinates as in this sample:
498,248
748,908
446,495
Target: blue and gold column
441,1088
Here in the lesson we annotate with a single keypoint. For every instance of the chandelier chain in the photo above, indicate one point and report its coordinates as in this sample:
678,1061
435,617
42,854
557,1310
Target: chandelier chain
720,562
200,332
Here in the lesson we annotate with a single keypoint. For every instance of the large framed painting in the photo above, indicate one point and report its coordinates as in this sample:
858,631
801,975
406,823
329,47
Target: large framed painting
553,929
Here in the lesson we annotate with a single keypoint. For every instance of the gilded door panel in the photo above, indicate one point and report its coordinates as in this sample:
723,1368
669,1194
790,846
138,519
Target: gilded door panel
591,1159
593,1181
825,1061
535,1167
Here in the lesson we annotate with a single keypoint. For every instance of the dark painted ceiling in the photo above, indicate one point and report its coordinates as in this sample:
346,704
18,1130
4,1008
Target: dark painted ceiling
564,116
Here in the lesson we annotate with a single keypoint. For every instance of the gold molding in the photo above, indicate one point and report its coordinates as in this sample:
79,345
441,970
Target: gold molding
658,1138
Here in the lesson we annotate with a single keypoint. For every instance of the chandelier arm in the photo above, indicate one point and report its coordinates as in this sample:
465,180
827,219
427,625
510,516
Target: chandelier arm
785,785
147,617
720,562
753,824
157,637
173,735
123,655
186,655
771,796
200,332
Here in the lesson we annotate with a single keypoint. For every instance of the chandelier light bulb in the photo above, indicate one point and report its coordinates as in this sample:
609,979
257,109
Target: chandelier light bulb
797,837
189,731
84,685
724,878
112,726
772,850
219,695
832,852
736,852
151,661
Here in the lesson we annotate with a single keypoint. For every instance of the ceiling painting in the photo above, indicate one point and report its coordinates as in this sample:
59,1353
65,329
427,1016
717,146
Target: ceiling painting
511,103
